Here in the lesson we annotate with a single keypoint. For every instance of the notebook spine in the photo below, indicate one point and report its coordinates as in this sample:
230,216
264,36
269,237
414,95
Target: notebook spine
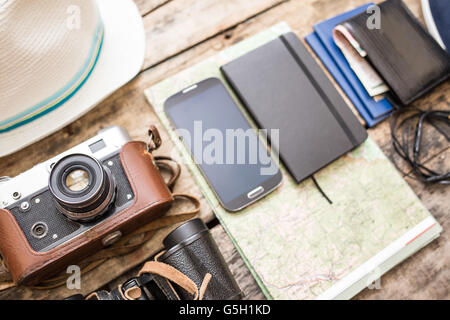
319,89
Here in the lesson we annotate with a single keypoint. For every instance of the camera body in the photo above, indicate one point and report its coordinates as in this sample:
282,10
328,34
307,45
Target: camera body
78,202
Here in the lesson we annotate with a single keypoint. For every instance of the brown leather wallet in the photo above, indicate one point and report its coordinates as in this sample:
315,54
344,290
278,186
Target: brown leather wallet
152,199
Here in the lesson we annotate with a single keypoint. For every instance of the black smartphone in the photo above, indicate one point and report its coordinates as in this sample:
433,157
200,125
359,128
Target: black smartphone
229,152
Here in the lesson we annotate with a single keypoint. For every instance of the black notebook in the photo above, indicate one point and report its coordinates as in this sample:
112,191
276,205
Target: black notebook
282,87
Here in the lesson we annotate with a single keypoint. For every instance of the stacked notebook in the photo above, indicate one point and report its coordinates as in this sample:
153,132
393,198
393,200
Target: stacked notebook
321,41
295,243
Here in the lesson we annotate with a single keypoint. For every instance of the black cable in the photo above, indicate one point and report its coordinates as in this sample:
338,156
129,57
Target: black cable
410,153
320,190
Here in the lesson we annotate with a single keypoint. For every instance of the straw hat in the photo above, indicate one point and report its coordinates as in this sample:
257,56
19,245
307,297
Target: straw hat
58,59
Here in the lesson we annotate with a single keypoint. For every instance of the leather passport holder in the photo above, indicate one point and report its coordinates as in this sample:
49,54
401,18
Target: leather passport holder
282,87
410,61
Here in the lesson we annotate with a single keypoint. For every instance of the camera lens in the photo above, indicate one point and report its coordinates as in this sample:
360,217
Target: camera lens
82,187
77,180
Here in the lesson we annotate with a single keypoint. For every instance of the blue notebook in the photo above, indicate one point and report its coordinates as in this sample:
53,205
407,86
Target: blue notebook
321,41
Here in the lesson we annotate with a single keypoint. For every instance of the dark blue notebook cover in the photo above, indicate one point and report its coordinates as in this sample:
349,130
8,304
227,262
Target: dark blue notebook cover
321,41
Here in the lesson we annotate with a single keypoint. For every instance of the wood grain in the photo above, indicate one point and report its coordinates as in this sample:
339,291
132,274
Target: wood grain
433,141
212,26
148,6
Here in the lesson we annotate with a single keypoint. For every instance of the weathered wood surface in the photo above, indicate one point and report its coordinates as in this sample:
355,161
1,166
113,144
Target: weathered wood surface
148,6
174,44
182,24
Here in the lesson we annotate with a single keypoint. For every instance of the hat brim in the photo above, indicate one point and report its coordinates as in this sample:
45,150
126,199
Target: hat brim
120,59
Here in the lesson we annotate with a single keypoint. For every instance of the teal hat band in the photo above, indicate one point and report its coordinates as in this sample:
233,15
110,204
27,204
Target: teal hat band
65,93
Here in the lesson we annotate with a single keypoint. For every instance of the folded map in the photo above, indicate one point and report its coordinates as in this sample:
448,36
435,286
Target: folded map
296,244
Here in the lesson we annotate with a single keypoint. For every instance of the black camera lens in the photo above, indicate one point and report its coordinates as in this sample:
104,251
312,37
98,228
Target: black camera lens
82,187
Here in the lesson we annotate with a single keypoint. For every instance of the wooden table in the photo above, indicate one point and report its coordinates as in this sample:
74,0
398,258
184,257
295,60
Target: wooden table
181,33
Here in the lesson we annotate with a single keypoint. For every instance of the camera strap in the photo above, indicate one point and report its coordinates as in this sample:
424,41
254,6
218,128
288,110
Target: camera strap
154,139
153,282
170,274
162,162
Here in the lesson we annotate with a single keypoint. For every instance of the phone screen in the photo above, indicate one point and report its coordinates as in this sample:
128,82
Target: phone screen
222,143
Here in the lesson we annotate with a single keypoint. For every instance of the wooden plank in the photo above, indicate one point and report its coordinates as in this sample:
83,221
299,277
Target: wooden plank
128,107
148,6
180,25
433,142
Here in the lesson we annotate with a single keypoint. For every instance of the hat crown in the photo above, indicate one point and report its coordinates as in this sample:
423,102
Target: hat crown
47,47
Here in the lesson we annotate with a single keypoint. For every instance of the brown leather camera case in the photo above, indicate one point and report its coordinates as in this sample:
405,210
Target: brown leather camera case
152,199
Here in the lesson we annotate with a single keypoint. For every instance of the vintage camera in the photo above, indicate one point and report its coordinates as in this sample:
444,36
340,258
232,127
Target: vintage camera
191,250
78,202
